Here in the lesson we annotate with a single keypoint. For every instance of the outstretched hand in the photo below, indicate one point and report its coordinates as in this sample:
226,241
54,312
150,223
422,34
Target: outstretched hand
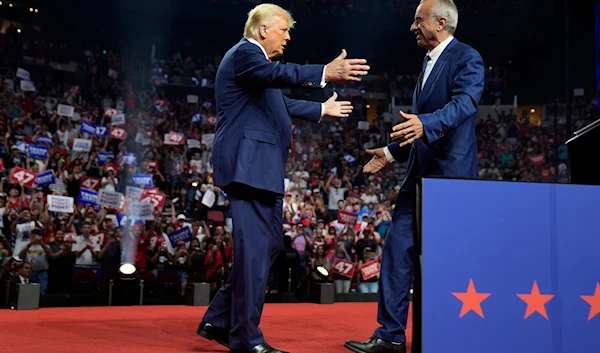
409,131
377,163
337,109
341,69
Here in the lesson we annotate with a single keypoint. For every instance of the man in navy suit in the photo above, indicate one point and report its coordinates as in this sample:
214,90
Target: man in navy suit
250,151
439,139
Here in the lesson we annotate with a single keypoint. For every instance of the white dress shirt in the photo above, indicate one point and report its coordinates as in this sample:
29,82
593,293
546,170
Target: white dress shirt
434,55
323,83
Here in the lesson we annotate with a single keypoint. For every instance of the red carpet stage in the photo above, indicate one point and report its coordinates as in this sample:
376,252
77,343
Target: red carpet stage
167,329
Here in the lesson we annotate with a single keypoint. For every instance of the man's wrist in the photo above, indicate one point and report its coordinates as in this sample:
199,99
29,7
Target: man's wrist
388,154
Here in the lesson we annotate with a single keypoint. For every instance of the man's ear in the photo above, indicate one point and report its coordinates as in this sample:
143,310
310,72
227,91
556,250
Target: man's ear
441,24
262,30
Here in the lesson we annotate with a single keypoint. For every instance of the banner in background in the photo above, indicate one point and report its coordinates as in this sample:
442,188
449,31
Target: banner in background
103,155
144,180
88,197
90,183
110,198
63,204
40,152
183,234
44,179
345,217
22,176
343,268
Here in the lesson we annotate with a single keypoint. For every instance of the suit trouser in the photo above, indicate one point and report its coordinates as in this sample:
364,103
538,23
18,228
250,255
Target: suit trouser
397,269
257,240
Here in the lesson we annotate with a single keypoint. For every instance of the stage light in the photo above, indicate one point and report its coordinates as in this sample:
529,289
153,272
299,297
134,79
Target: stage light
36,10
368,106
127,269
10,5
532,111
320,274
0,3
18,30
31,9
490,68
195,184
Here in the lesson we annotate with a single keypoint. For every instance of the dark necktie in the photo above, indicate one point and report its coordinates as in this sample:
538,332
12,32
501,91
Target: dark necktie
422,76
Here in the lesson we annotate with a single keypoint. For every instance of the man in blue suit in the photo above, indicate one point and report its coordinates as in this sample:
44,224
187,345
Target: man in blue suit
439,139
250,151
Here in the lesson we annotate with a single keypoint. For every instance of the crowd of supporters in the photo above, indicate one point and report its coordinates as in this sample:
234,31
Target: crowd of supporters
332,212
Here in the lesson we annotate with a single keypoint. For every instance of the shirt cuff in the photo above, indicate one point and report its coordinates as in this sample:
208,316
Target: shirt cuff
322,111
323,83
388,155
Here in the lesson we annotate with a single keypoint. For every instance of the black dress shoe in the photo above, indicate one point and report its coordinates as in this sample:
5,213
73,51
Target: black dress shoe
375,345
213,333
261,348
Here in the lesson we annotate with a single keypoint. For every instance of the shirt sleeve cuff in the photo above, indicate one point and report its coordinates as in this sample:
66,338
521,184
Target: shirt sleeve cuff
323,83
388,155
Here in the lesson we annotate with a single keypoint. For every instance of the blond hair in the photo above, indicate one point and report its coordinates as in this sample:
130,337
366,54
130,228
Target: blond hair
264,14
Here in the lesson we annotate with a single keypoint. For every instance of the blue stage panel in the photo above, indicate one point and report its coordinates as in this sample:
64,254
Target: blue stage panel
504,237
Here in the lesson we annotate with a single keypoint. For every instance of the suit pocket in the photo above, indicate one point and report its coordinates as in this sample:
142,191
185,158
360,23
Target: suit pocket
260,136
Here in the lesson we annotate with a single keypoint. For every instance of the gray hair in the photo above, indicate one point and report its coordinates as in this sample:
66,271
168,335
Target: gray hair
446,9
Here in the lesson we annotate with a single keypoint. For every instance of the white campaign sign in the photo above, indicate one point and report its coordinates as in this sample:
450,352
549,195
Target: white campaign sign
208,199
82,145
61,204
66,110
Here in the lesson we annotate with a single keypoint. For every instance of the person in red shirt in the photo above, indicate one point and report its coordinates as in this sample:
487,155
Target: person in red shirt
137,231
14,201
218,256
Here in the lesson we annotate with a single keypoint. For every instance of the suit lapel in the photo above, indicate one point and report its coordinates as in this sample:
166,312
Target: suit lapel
415,107
435,73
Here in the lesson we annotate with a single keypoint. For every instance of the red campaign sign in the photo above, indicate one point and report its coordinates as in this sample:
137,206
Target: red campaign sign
118,133
151,190
537,159
110,112
345,217
151,165
480,156
101,236
157,199
23,177
90,183
343,268
211,120
175,137
545,172
370,270
70,237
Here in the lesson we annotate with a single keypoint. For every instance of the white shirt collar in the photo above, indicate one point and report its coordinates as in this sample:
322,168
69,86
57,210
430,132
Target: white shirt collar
254,41
437,51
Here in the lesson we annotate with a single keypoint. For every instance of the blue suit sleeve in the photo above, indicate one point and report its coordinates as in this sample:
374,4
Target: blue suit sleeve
468,82
400,154
305,110
252,68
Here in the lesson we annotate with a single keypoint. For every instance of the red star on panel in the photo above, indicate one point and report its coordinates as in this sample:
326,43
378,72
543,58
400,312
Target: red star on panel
471,300
594,301
535,301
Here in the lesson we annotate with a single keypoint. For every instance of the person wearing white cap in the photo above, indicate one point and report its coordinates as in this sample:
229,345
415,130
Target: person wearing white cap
110,181
181,223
